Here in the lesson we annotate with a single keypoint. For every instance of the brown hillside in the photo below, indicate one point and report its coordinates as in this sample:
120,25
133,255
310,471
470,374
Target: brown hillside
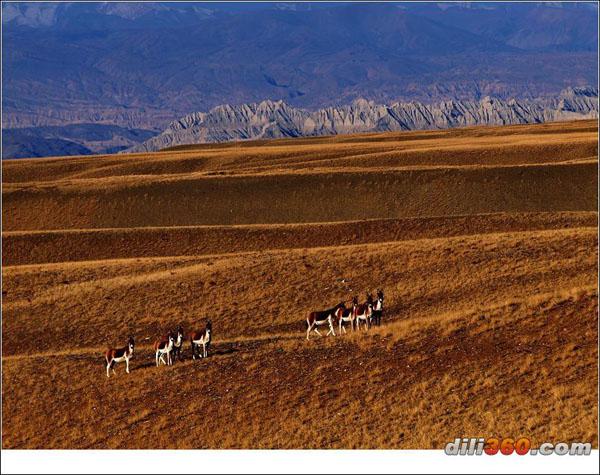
33,247
484,239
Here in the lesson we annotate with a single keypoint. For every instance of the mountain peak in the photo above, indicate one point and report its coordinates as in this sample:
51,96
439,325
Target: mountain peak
270,105
361,102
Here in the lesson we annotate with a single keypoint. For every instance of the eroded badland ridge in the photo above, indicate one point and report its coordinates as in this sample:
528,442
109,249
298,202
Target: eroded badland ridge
276,119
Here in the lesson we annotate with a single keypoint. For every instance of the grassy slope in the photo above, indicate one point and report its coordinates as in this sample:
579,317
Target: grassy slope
491,320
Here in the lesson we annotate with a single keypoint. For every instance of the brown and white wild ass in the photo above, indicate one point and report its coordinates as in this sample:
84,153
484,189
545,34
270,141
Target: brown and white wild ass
177,344
378,308
342,315
322,317
201,337
363,311
162,347
116,355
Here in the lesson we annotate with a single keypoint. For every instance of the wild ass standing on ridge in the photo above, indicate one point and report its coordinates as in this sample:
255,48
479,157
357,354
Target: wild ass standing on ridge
378,308
116,355
322,317
201,337
363,311
164,346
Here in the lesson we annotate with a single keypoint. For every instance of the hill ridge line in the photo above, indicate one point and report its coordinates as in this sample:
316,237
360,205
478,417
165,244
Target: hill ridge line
117,181
444,217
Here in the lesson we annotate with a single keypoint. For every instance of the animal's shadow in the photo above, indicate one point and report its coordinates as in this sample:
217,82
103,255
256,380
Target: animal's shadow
150,362
225,351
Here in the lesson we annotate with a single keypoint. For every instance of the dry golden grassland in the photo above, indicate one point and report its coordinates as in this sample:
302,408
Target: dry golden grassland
484,239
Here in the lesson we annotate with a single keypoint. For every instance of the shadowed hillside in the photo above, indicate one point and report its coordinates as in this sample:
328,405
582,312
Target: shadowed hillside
334,179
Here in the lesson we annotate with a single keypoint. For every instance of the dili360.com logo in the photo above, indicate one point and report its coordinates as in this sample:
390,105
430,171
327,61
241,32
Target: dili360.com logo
509,446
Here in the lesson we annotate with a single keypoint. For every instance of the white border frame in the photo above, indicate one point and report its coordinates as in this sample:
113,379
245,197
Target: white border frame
284,461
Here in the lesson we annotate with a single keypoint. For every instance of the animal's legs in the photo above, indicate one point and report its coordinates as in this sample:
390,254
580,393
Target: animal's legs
310,326
331,330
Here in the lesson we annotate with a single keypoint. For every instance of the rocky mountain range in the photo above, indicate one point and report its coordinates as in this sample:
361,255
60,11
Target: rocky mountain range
276,119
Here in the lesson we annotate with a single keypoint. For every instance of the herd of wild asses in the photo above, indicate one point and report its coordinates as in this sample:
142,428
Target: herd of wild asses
168,347
368,312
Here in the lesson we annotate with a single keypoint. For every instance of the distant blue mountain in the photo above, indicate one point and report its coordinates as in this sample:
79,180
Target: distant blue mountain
70,139
142,65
